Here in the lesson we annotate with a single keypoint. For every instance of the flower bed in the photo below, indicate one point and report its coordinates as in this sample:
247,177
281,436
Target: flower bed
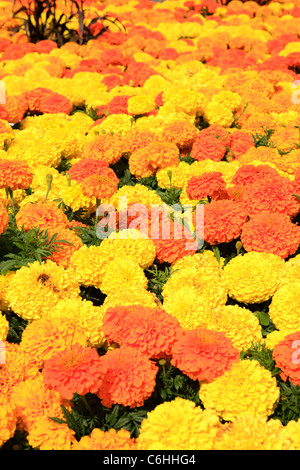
149,237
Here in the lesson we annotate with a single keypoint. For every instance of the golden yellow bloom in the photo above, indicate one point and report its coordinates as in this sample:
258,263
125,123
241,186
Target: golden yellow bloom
250,388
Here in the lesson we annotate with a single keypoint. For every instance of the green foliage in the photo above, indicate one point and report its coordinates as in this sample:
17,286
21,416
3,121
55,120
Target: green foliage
259,352
88,235
20,248
288,407
157,277
263,140
41,20
188,159
64,165
16,327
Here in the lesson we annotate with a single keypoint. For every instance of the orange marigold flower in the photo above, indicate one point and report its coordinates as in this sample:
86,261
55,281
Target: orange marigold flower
107,148
248,174
128,377
223,221
86,167
181,133
156,155
45,215
34,97
17,368
45,337
55,103
102,185
73,370
109,440
210,184
46,434
33,400
239,142
272,195
135,140
64,250
15,175
172,240
208,147
150,330
14,109
271,232
286,357
4,219
204,354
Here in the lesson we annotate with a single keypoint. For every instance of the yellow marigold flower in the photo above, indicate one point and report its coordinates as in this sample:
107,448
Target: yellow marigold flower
140,104
46,434
199,260
252,277
206,280
284,308
274,337
191,309
131,243
128,195
160,429
249,432
227,99
73,197
186,101
47,336
131,296
4,284
250,388
4,327
218,114
8,420
116,123
123,273
85,314
237,323
87,265
290,271
176,176
35,289
290,437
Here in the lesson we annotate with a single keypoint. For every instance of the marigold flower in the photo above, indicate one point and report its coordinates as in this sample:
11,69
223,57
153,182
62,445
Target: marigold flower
150,330
208,146
102,185
109,440
37,288
286,357
135,140
46,434
285,306
198,428
64,252
122,274
210,184
106,147
15,175
252,277
140,104
33,400
204,354
8,420
238,324
223,221
273,195
249,432
128,377
86,167
4,219
271,233
181,133
55,103
248,174
250,388
44,215
73,370
156,155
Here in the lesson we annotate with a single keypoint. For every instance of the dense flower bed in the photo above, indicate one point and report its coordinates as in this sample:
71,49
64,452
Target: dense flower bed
149,237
